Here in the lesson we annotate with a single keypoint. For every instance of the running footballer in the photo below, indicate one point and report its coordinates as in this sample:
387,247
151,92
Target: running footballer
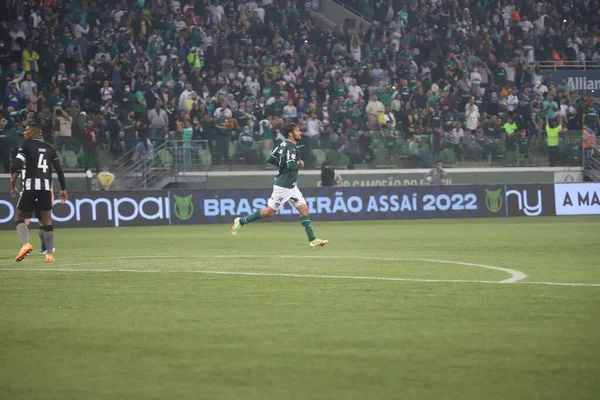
287,157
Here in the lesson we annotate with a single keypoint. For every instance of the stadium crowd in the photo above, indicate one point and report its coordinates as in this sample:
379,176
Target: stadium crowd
426,79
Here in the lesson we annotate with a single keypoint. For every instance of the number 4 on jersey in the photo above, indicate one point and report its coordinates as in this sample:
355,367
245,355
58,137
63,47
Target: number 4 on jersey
42,163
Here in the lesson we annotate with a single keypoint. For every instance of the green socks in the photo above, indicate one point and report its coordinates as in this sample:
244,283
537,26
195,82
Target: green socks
255,216
305,221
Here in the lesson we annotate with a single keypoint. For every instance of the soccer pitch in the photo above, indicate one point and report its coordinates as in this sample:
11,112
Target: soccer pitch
427,309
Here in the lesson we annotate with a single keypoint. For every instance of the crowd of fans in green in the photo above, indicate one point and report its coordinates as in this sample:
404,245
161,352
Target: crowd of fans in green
435,80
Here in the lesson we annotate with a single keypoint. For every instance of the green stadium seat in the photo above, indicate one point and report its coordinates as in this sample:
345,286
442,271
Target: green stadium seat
381,156
166,158
320,156
70,158
448,157
205,158
334,157
510,158
344,160
232,150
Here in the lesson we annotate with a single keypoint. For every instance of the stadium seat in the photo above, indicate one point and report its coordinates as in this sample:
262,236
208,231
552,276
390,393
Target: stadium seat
320,156
205,158
510,158
232,150
498,149
166,158
448,157
381,157
344,161
401,148
70,159
334,157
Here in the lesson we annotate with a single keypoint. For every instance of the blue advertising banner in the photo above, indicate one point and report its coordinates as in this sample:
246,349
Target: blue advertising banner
341,204
580,81
180,207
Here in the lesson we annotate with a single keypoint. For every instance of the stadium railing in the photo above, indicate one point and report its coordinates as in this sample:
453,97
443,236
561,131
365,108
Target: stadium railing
169,161
587,65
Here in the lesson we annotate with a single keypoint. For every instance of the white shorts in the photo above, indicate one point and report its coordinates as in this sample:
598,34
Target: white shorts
280,195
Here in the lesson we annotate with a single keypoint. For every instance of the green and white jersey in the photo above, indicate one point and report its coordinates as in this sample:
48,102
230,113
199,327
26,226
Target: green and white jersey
287,155
246,140
266,130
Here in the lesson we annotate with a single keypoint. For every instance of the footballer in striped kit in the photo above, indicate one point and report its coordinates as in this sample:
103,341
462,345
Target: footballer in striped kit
36,158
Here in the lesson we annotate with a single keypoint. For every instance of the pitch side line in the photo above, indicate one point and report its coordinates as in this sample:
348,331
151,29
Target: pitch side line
263,274
515,275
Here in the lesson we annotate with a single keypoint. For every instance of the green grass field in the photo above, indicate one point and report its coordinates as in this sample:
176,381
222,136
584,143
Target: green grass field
219,317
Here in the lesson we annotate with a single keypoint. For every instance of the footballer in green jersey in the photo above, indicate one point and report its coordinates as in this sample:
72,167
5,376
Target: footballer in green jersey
287,158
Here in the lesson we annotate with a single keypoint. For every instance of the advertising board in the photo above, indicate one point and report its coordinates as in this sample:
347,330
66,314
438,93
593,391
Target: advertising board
580,81
339,204
100,209
181,207
577,198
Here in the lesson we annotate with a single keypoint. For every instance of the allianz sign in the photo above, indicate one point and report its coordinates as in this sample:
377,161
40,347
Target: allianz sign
581,81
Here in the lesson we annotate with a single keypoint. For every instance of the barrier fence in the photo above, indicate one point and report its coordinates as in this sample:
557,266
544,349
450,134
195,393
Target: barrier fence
180,207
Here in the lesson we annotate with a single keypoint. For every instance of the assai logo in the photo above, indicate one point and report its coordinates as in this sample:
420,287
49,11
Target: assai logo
493,200
183,207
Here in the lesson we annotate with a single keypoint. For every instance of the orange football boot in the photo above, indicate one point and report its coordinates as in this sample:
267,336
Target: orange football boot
25,250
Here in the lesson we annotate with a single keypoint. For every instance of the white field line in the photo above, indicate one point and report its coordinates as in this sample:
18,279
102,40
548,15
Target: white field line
515,275
264,274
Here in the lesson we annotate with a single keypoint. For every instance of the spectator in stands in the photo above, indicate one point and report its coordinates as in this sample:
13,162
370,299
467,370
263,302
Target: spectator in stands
12,98
387,118
91,141
365,142
455,138
588,143
113,126
65,123
374,109
30,59
246,144
553,130
222,138
159,120
27,86
510,134
144,153
187,144
36,99
414,152
472,115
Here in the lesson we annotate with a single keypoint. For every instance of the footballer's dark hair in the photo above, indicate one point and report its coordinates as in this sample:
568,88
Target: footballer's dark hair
35,126
288,128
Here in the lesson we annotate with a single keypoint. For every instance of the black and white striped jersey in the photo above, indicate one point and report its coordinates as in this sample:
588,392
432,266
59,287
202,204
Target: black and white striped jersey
37,157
